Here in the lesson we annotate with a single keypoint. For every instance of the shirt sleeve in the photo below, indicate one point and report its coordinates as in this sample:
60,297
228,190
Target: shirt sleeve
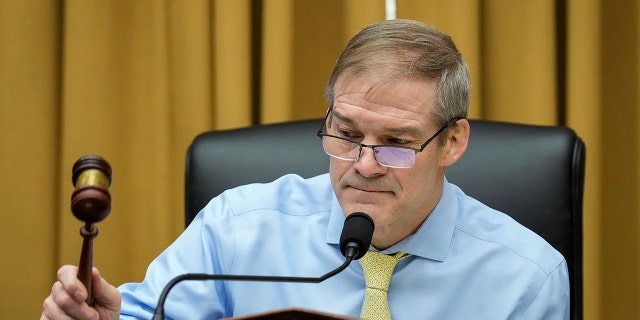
201,248
552,301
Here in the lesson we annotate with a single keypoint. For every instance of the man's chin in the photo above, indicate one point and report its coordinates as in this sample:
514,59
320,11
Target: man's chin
369,208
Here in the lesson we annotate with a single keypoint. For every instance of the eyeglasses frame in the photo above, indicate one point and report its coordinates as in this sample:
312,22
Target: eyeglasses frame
321,134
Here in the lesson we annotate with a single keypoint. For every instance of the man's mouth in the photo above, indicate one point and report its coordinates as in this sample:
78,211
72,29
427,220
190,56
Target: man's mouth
366,189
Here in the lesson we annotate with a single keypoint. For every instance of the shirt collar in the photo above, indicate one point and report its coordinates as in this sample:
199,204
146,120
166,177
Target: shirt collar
432,240
336,222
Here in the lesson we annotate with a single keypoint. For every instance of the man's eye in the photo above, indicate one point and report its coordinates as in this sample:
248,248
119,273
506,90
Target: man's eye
398,141
347,134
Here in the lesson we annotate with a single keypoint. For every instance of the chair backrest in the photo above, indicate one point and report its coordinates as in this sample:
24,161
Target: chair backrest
533,173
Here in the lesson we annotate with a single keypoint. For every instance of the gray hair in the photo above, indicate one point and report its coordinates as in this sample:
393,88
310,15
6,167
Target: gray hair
407,48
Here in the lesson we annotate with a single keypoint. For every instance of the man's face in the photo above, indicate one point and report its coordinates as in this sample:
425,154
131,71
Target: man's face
393,113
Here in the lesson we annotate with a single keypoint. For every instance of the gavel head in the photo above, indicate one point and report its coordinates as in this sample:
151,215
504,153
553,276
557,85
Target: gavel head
91,201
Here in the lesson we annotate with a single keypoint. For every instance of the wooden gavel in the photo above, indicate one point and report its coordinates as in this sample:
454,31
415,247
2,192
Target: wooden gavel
91,203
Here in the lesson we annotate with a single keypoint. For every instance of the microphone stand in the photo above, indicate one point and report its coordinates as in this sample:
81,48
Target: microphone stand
158,314
354,242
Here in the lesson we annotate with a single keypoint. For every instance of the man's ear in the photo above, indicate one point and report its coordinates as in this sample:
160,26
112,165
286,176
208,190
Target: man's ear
457,139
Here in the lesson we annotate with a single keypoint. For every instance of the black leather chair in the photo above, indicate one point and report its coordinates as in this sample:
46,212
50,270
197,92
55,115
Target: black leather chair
533,173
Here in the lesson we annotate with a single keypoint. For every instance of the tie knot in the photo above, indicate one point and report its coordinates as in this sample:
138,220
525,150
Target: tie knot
378,268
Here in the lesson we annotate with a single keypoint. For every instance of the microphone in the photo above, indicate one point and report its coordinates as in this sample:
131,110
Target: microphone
354,243
356,235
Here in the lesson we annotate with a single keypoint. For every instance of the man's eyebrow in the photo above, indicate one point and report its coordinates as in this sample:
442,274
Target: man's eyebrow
405,130
341,117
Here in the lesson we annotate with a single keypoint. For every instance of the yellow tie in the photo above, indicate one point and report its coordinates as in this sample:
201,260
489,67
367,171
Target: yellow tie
378,268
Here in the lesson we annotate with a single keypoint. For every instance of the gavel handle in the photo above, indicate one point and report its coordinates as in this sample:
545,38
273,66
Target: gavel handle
88,232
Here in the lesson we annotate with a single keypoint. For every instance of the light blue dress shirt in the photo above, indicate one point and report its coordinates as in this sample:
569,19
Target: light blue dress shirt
467,261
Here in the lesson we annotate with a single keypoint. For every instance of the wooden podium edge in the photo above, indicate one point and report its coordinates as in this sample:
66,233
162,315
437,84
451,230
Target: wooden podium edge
292,314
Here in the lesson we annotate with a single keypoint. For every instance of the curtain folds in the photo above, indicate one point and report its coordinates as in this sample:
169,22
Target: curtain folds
135,81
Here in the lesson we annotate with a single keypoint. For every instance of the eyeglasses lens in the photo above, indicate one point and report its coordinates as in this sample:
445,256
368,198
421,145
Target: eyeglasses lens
385,155
395,157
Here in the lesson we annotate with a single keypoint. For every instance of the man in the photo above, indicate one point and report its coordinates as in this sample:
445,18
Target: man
398,100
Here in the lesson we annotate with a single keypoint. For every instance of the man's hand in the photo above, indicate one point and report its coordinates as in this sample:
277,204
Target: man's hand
68,298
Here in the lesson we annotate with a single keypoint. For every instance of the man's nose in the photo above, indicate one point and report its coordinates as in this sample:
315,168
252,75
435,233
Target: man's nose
367,164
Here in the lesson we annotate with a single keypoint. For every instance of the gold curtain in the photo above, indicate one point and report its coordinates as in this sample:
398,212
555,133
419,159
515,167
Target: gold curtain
135,81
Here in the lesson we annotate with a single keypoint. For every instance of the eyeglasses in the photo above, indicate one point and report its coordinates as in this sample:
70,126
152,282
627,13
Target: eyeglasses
386,155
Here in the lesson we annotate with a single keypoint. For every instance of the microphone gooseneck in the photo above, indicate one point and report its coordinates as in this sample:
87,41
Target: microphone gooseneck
354,243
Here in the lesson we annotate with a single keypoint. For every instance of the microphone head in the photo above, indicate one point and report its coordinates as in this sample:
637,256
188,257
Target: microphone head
356,234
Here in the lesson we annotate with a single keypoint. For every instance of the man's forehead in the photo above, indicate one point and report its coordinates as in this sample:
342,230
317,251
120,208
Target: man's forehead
398,96
393,121
370,82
